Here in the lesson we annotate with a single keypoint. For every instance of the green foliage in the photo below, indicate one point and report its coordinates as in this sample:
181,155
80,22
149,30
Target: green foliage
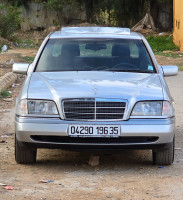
9,19
117,13
15,2
123,13
161,43
24,43
5,94
171,54
1,46
26,59
29,59
60,4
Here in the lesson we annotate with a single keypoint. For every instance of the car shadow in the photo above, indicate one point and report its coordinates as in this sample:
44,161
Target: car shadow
67,160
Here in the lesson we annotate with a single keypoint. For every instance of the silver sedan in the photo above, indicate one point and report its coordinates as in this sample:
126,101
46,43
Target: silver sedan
94,88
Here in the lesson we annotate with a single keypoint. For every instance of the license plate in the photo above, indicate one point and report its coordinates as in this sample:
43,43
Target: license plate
94,130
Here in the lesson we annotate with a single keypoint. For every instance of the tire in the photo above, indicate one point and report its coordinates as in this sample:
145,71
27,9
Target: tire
24,154
164,157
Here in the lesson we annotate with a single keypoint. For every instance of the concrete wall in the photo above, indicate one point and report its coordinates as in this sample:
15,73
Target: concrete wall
178,23
37,16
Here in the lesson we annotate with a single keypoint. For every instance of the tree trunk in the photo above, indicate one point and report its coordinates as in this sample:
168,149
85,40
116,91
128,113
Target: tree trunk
162,13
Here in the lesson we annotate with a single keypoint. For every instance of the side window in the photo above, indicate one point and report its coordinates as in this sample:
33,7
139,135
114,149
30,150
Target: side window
134,50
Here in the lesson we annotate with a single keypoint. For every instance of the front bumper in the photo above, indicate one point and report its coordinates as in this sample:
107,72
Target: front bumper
33,130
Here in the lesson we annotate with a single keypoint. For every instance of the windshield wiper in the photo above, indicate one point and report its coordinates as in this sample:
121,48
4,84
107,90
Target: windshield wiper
128,70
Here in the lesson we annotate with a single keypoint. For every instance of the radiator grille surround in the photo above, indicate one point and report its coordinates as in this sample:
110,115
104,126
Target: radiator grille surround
93,109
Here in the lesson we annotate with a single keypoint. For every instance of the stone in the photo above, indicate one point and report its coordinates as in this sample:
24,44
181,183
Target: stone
94,160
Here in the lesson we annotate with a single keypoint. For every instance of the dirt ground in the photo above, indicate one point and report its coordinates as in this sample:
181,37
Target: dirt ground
129,175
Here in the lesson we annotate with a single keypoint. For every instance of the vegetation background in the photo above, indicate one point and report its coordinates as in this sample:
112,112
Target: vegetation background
122,13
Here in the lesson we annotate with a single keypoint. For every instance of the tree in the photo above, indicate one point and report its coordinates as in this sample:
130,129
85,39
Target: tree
162,13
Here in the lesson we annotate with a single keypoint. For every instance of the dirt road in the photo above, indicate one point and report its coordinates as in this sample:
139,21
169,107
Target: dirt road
129,175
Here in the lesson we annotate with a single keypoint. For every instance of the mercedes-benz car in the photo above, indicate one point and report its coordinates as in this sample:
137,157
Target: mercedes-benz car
96,89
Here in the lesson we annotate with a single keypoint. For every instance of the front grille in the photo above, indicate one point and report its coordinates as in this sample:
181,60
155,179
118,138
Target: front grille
94,109
79,140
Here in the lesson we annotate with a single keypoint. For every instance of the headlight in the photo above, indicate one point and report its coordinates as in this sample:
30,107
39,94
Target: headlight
153,108
36,107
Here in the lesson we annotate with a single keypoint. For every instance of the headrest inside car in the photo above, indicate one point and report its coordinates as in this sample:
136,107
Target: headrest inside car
121,50
70,50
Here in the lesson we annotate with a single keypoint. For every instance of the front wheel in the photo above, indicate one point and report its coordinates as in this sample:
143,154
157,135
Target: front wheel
164,157
24,154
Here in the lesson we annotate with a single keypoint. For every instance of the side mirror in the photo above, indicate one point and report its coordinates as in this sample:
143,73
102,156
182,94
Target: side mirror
170,70
20,68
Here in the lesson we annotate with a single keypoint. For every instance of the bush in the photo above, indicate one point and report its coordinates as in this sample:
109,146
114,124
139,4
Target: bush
9,20
161,43
5,94
60,4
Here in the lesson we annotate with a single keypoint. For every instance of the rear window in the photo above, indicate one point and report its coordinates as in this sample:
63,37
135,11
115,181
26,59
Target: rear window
95,55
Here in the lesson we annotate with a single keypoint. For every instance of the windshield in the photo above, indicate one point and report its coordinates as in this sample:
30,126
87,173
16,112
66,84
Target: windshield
95,55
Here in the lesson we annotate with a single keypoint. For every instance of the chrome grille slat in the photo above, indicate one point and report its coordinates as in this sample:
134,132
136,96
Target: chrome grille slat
93,109
80,113
96,113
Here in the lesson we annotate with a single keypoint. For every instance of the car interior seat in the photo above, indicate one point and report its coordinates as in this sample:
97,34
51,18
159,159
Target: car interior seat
68,54
121,51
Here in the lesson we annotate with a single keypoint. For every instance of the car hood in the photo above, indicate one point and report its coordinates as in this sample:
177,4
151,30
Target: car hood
124,85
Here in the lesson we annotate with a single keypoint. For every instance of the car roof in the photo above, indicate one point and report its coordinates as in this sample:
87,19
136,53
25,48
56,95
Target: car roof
95,32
